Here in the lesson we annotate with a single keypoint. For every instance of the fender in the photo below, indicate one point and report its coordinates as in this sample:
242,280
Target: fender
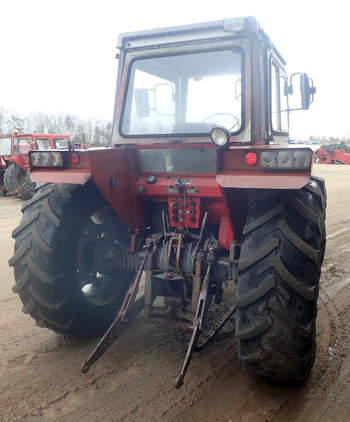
263,180
115,173
112,170
22,160
235,172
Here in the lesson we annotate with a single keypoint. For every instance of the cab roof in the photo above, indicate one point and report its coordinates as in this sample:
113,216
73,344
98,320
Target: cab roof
224,28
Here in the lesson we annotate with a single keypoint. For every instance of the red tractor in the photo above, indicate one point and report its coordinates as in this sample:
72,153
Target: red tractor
5,156
15,159
342,156
333,154
323,156
200,191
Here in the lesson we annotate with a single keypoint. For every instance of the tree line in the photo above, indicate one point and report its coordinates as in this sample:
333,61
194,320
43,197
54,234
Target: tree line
326,140
91,131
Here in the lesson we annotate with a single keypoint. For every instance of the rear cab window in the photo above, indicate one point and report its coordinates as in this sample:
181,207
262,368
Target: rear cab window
43,143
166,95
23,145
279,100
5,146
61,143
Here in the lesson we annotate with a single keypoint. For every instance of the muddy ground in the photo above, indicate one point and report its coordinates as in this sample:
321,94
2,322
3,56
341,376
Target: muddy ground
40,378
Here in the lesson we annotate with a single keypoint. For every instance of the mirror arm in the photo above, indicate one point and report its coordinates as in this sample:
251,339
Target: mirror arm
290,88
312,90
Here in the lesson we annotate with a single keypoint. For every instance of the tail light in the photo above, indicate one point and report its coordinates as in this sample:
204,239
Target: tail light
46,159
74,159
286,159
251,158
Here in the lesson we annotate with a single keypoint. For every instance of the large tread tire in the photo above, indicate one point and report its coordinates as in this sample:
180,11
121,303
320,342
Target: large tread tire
29,188
44,261
14,177
278,281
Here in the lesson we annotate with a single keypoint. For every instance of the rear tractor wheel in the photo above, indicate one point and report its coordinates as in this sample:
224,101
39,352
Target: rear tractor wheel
70,266
15,178
29,188
278,281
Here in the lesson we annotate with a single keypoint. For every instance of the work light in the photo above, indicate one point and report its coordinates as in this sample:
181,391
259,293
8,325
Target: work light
220,136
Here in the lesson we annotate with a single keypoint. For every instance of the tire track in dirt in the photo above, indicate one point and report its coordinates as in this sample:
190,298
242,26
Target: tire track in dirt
40,377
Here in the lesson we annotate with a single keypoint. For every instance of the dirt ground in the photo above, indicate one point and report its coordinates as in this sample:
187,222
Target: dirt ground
40,379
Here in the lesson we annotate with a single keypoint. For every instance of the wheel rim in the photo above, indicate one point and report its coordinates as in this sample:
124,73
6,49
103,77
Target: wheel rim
99,279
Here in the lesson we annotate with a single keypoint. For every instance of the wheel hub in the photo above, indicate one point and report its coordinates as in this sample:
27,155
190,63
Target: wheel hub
101,261
106,256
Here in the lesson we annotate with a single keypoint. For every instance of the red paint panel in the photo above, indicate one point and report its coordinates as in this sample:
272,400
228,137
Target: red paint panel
219,213
113,171
22,160
206,186
226,234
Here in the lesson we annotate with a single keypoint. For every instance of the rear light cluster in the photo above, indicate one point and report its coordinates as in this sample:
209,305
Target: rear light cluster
184,212
46,159
286,159
281,159
52,159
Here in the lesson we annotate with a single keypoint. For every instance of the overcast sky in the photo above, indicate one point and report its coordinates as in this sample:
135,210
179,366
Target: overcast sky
59,55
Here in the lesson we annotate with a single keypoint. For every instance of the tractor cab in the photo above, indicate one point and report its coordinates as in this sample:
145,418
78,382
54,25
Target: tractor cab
178,84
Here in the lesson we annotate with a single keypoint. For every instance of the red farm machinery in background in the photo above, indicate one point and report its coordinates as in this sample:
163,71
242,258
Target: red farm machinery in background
5,156
333,154
15,167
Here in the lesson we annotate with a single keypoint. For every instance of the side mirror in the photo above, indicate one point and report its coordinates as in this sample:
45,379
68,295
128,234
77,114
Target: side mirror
142,102
307,90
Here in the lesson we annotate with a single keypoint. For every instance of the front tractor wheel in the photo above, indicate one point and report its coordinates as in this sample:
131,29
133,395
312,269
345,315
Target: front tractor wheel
70,266
278,281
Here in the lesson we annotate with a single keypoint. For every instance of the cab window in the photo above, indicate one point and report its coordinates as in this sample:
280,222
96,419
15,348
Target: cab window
279,101
43,143
5,146
184,94
61,143
23,145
